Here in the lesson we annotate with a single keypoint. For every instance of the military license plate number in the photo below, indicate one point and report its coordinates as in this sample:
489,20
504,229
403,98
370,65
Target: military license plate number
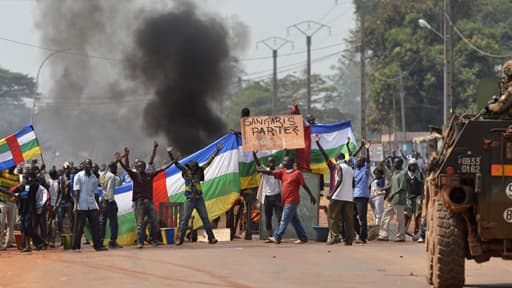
469,164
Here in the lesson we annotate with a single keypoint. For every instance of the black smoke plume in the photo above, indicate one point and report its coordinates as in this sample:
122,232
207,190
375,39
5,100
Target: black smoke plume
184,57
161,65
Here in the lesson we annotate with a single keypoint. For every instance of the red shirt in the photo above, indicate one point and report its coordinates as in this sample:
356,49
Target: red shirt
291,182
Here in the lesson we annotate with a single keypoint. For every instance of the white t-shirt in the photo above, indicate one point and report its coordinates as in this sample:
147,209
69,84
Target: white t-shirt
54,189
345,190
41,198
376,186
269,186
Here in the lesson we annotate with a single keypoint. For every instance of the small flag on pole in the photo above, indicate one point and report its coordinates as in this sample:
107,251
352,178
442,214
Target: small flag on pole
18,148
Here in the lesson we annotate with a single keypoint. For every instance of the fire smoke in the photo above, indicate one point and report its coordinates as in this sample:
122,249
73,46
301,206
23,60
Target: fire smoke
159,71
185,57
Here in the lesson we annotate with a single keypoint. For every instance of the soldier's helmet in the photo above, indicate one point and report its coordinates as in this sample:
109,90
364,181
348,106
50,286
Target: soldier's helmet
507,68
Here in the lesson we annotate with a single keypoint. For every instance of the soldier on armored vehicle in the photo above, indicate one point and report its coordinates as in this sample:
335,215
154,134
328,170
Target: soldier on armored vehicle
501,106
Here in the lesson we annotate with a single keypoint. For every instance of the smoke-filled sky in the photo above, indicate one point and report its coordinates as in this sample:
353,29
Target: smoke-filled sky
159,70
184,58
174,63
264,18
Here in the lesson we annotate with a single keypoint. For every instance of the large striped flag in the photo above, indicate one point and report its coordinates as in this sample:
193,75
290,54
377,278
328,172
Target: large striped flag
221,186
333,138
231,171
18,148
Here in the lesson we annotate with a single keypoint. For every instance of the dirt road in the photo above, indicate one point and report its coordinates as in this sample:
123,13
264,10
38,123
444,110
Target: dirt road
237,264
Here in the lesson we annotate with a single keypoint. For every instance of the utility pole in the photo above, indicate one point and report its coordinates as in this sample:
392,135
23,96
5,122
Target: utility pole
362,53
448,62
402,107
308,28
394,121
274,44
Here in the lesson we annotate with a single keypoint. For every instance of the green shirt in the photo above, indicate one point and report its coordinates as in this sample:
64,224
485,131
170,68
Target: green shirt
398,188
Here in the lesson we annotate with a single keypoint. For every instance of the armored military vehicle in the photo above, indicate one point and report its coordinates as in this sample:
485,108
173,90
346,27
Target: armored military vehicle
468,198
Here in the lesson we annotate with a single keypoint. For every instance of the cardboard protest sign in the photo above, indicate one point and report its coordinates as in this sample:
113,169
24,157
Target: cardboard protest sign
272,132
376,152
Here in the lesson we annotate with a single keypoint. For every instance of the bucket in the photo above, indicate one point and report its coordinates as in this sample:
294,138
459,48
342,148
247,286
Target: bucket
321,233
66,241
168,235
19,240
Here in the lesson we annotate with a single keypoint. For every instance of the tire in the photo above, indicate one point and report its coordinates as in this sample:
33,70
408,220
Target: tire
448,239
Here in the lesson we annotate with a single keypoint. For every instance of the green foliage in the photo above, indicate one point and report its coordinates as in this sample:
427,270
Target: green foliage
398,45
346,81
14,89
257,96
15,84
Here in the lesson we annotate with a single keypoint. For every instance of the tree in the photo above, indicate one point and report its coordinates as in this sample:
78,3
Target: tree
15,88
257,96
15,85
346,81
397,45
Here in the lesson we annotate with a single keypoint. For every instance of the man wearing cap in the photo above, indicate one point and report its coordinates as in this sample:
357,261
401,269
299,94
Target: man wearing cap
87,206
415,181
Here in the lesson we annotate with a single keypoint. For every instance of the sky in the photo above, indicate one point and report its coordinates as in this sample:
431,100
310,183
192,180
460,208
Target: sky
265,18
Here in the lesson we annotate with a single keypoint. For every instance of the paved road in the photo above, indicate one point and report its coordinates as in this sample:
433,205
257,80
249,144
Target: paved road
237,264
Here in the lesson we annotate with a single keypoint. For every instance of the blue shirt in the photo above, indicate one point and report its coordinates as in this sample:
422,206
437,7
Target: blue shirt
361,178
88,186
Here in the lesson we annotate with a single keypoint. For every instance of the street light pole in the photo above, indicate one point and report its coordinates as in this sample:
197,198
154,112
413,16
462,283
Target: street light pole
447,59
37,80
448,63
424,24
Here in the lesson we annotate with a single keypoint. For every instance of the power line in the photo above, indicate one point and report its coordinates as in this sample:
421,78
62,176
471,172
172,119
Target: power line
300,63
471,44
26,44
77,53
291,67
294,53
70,52
274,44
308,28
72,102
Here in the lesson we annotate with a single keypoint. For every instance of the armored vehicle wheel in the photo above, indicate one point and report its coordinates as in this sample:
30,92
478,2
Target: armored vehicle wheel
447,237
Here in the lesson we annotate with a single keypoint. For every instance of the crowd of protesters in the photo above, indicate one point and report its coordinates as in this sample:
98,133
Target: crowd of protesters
353,187
42,202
